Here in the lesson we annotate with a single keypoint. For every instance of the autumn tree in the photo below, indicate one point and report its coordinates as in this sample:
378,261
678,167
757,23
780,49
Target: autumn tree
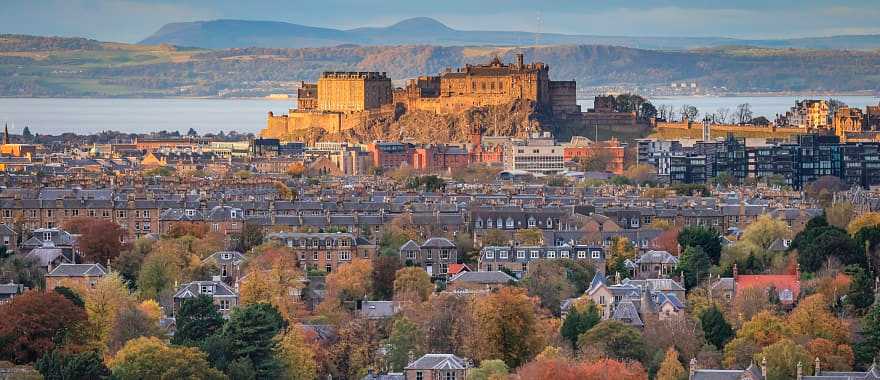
763,232
489,370
495,237
546,279
131,323
356,348
151,358
782,359
868,219
157,275
251,235
450,322
840,214
834,356
412,284
641,173
351,282
35,323
706,238
506,327
296,356
385,269
684,335
99,240
812,318
130,260
622,249
529,236
671,368
615,340
196,320
764,329
103,304
273,277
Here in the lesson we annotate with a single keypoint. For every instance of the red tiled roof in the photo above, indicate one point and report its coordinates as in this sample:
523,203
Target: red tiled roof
765,281
454,269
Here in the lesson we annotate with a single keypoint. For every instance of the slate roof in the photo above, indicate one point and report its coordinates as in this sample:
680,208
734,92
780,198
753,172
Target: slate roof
438,242
78,270
378,309
439,361
627,312
409,246
46,255
192,290
657,257
493,277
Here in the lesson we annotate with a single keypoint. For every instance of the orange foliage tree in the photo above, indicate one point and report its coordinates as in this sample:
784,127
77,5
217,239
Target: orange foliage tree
507,327
603,369
32,323
100,240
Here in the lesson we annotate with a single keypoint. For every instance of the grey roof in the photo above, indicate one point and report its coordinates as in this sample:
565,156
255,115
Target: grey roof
439,361
386,376
493,277
11,288
409,246
78,270
378,309
438,242
233,256
717,374
657,257
627,312
193,289
46,255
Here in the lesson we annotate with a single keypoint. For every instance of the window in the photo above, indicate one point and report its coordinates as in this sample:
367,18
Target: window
444,254
120,213
479,223
601,300
549,223
105,213
328,256
532,222
223,271
7,213
224,304
215,227
190,212
411,255
490,255
315,256
582,254
206,289
520,254
449,374
551,254
146,213
564,254
33,213
47,236
74,212
328,268
534,254
50,213
502,255
419,375
596,255
344,255
509,223
92,213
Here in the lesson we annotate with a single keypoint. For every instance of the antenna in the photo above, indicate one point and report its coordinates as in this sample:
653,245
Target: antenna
537,37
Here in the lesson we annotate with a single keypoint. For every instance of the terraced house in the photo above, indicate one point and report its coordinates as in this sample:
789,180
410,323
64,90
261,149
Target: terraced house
325,251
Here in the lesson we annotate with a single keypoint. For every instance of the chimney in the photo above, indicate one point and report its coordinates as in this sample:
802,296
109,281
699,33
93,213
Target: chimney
800,371
818,367
692,368
764,367
735,272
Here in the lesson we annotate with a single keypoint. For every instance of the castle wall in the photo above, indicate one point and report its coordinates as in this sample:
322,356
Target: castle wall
563,97
353,92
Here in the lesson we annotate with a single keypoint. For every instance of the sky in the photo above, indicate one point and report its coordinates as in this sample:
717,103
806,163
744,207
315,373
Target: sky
133,20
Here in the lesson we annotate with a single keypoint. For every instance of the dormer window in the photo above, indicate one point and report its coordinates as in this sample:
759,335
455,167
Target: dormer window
510,223
206,289
47,236
532,222
234,214
549,223
190,212
226,256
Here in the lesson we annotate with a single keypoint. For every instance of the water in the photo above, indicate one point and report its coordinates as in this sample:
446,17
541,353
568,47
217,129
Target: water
55,116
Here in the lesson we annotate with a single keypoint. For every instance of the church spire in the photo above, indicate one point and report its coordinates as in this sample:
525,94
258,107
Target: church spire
5,134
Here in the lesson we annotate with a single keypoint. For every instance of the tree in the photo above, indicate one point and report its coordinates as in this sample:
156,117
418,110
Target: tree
706,238
615,340
58,365
385,269
23,270
695,264
744,113
834,356
251,235
816,245
689,112
763,232
506,327
840,214
823,189
812,318
412,284
861,290
156,275
132,323
405,340
351,282
671,368
622,249
782,359
868,219
103,304
99,240
489,370
26,133
647,111
868,349
356,348
529,236
608,368
764,329
273,277
35,323
495,237
578,322
150,358
546,279
715,328
641,173
296,355
250,332
197,319
192,133
130,260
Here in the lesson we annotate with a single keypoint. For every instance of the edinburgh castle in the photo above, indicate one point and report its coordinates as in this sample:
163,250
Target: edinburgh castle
342,103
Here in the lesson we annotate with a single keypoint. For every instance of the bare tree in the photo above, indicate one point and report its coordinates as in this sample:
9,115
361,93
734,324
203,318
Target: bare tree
744,113
723,114
689,112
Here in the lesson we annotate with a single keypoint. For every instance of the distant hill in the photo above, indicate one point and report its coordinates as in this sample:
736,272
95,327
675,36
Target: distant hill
218,34
51,66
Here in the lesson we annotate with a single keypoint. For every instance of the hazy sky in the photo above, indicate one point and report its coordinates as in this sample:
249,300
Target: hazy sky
132,20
